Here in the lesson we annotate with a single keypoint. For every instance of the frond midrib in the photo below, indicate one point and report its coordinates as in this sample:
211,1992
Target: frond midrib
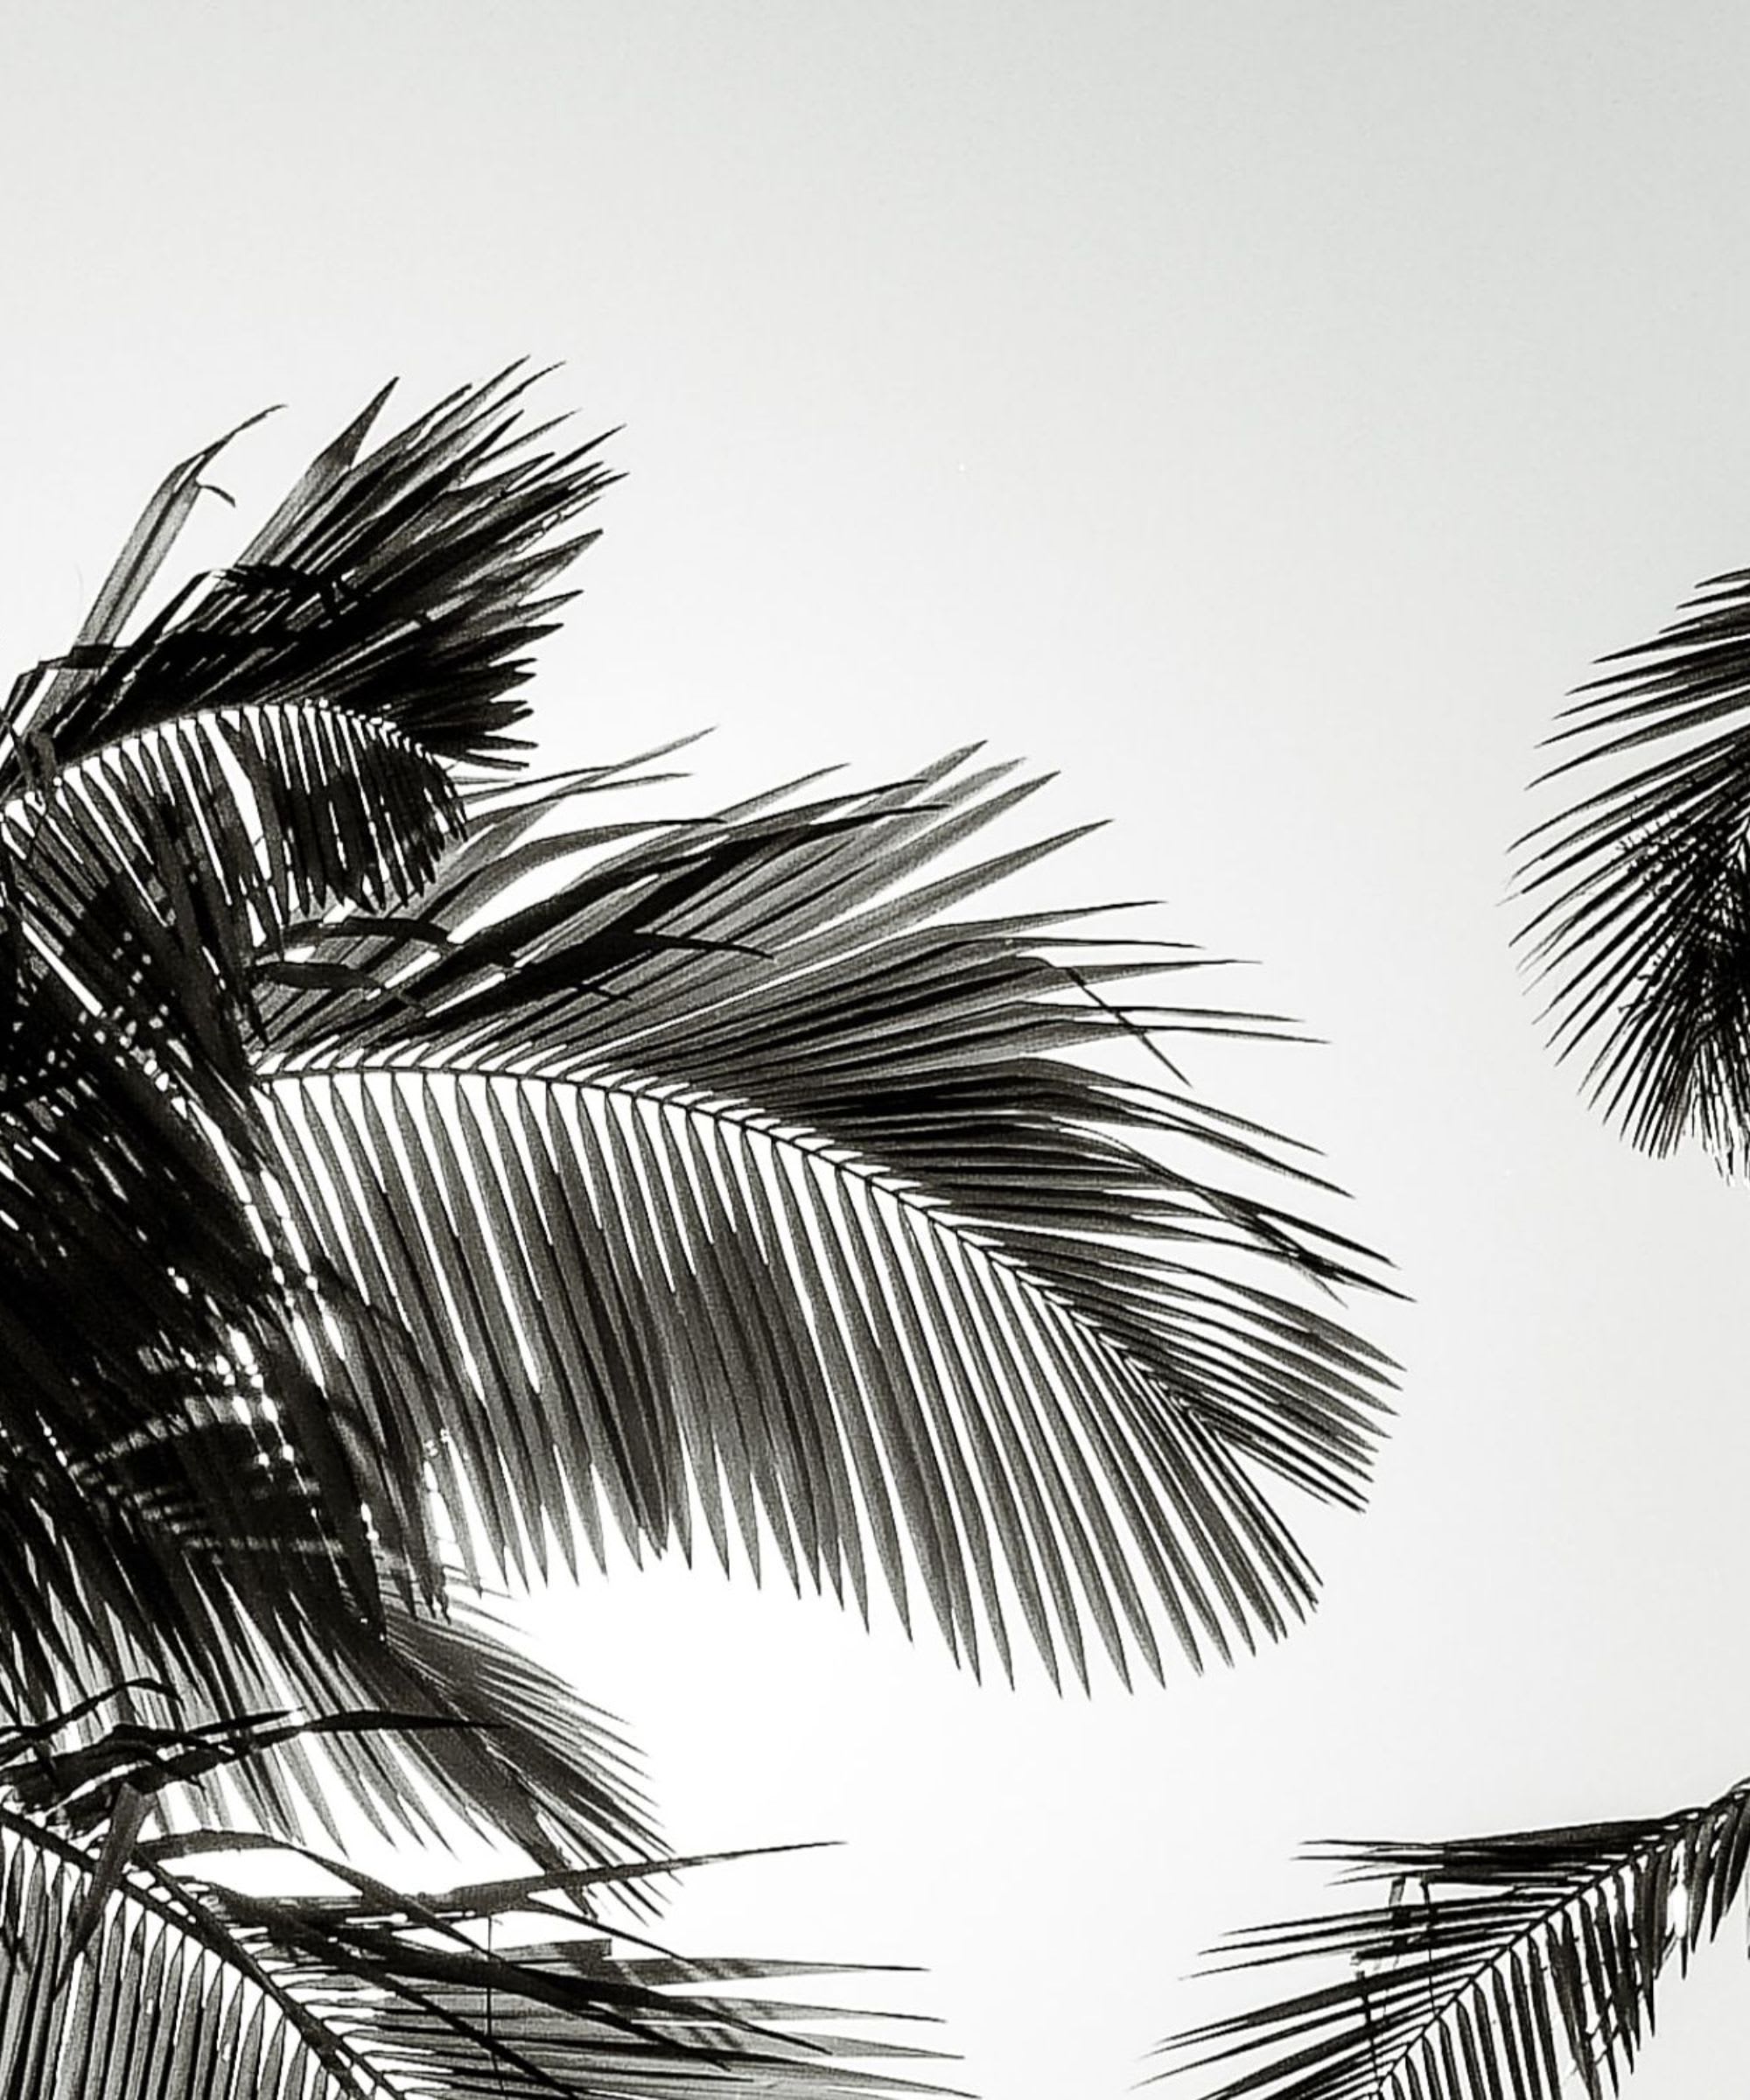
114,749
937,1212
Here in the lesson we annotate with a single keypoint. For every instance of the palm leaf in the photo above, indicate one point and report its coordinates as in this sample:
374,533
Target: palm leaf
184,1986
735,1174
1496,1961
276,739
1642,886
400,588
39,694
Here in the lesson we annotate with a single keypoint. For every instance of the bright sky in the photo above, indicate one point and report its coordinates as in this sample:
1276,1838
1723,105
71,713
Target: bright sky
1261,413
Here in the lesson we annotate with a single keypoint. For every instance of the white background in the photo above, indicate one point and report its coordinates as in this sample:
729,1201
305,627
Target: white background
1261,411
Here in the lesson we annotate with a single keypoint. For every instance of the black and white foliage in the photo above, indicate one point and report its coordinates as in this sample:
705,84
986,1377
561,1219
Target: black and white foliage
171,1986
1500,1965
1497,1967
1642,886
414,1172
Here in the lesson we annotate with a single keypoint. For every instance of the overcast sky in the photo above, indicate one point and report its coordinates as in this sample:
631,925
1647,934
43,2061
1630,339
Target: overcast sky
1261,413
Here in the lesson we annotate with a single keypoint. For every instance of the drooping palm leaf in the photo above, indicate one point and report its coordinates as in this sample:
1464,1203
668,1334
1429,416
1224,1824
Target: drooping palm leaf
1642,886
1497,1962
970,1326
180,1986
735,1171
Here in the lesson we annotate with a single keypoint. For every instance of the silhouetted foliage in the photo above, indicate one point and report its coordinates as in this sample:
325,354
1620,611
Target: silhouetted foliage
414,1171
1498,1962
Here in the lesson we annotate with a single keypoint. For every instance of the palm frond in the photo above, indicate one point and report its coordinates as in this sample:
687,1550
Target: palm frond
403,586
365,1994
736,1172
274,811
1641,888
506,1751
37,695
1496,1961
281,736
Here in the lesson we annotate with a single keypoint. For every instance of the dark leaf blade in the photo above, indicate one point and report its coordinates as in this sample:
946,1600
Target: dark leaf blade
147,547
729,1159
182,1986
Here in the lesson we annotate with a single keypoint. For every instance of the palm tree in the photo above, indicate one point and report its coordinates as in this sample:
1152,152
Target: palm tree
416,1172
1494,1961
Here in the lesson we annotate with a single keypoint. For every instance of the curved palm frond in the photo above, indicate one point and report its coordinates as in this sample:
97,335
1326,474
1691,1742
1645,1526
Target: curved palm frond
230,827
1642,888
736,1171
1496,1961
364,1993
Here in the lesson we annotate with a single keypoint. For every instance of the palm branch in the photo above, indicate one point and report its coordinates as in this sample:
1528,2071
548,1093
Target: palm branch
1496,1963
802,1214
362,1991
1642,887
786,1191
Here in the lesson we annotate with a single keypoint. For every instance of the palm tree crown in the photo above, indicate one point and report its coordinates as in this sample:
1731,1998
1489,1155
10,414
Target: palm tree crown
416,1172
